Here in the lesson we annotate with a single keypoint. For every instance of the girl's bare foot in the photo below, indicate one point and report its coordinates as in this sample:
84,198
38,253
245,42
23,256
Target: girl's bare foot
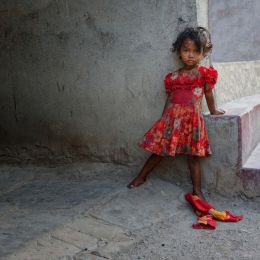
199,194
152,161
137,181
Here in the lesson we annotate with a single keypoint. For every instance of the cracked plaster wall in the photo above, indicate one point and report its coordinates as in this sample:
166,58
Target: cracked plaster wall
84,79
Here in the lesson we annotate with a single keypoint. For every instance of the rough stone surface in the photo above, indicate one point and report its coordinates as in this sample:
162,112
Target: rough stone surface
250,174
248,109
235,36
71,70
237,80
109,221
253,162
235,30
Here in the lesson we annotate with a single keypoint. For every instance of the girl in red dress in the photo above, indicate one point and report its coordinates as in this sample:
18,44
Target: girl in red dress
181,129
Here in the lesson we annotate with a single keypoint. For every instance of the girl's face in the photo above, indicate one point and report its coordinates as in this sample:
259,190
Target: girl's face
190,54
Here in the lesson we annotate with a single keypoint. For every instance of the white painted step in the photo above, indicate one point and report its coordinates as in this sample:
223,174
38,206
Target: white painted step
253,162
250,174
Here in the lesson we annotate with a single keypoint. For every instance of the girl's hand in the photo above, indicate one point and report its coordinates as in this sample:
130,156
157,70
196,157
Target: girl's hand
218,112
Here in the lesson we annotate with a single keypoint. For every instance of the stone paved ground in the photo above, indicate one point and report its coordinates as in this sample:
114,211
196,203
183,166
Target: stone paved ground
85,211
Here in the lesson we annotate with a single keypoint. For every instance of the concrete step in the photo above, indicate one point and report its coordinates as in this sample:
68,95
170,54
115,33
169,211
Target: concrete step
253,161
248,111
250,173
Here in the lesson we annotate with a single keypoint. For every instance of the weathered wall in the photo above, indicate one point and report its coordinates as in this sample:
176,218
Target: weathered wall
235,30
237,80
202,13
236,49
84,78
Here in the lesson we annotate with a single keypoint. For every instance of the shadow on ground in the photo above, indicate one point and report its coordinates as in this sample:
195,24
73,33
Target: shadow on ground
85,211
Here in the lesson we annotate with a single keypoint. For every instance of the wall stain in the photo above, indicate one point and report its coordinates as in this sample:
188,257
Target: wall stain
15,105
63,37
76,80
143,47
181,20
130,91
7,32
106,38
60,87
12,12
3,132
34,15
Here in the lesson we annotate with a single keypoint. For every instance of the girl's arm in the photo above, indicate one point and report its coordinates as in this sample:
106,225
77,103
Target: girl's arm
211,104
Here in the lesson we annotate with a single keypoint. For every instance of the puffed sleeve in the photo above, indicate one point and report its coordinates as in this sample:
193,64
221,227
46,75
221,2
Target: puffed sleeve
211,76
168,83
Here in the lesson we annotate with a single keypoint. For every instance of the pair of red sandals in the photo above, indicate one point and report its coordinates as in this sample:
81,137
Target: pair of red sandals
207,214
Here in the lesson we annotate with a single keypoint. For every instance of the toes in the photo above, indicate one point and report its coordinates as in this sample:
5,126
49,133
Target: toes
130,186
135,183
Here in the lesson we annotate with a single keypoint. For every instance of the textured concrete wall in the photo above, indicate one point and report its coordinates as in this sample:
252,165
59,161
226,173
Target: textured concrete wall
202,13
236,49
84,78
235,30
237,79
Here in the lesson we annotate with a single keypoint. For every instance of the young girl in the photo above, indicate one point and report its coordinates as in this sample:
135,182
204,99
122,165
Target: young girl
181,129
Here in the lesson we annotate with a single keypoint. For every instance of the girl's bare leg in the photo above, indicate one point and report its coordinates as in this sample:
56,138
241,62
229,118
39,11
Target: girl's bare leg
195,172
152,161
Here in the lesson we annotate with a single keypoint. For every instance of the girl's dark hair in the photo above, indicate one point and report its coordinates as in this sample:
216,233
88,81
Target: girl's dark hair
199,35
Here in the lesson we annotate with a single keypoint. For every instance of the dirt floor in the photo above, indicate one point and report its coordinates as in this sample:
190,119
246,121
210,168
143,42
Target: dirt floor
85,211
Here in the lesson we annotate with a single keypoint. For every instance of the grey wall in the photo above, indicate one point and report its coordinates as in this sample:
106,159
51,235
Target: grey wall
84,78
237,80
235,29
236,50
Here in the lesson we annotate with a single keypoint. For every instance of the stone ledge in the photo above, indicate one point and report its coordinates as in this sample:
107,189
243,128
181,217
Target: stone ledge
250,173
248,110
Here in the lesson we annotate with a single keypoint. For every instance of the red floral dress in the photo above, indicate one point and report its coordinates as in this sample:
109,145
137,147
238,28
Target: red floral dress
181,129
